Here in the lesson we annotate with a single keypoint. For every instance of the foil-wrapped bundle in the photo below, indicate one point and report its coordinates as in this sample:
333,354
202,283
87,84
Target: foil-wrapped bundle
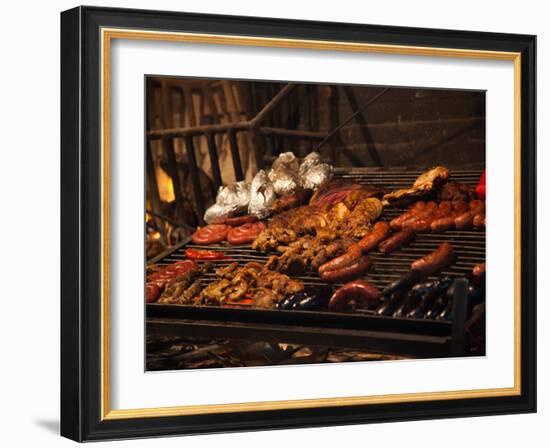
316,175
262,195
285,181
287,161
230,201
284,174
309,161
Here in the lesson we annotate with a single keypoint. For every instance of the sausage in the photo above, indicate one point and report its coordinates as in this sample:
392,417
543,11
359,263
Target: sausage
411,300
460,207
389,305
351,255
478,269
396,241
404,282
423,223
479,220
444,208
240,220
194,254
361,290
437,307
429,292
477,206
426,301
152,292
464,221
435,260
210,234
347,272
442,224
244,234
425,212
372,240
181,267
397,222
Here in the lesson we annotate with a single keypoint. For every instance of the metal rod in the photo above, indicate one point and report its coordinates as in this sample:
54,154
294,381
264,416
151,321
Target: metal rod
351,117
170,221
272,103
363,127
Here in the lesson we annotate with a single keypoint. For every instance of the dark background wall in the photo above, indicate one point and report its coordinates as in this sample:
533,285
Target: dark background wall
404,127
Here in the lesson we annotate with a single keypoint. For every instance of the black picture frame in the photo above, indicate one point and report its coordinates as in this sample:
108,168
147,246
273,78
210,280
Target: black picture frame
81,230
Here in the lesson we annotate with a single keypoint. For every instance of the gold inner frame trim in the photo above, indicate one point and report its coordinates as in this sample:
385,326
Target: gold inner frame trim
107,35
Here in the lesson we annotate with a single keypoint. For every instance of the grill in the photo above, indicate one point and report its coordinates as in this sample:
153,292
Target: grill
362,329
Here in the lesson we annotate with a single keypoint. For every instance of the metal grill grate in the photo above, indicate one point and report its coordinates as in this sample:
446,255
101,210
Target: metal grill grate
469,245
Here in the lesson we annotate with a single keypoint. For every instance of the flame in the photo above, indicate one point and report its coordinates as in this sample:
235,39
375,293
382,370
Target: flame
166,187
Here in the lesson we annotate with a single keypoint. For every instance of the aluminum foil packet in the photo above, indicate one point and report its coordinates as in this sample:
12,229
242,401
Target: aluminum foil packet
287,161
309,161
316,175
285,181
262,195
230,200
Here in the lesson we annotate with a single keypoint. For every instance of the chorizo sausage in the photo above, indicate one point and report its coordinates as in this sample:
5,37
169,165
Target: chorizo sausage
347,272
152,292
397,222
464,221
396,241
477,206
479,220
373,239
460,207
351,256
210,234
442,224
361,290
244,234
425,212
435,260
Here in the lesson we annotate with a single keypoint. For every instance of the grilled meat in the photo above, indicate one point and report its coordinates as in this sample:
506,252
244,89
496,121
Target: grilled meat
424,184
359,222
291,200
455,191
236,282
423,217
337,190
350,218
183,289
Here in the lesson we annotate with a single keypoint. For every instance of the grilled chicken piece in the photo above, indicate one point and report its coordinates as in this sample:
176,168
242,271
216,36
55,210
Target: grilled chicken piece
183,288
359,222
265,298
237,282
424,184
